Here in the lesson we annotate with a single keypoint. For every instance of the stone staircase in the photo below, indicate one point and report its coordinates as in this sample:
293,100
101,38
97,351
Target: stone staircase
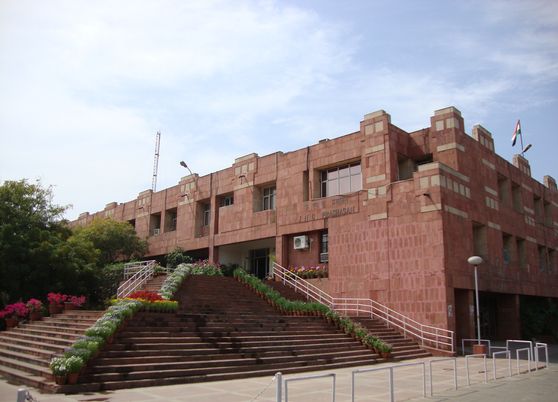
403,348
155,283
26,351
223,331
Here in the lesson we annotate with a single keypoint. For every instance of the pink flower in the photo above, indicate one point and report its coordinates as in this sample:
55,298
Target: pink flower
34,305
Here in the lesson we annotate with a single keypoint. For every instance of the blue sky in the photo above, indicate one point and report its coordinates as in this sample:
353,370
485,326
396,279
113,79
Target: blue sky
85,85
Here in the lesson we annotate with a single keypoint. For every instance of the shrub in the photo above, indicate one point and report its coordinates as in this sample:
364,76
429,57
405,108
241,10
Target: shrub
177,257
34,305
82,353
74,364
58,366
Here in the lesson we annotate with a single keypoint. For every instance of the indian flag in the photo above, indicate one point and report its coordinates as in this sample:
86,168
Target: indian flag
516,132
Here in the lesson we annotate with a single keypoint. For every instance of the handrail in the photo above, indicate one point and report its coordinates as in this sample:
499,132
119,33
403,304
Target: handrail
130,268
428,335
145,272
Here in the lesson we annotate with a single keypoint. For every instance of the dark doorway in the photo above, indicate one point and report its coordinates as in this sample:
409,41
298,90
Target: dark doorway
259,262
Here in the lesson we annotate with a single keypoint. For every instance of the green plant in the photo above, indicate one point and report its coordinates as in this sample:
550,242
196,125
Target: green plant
100,331
83,353
176,257
384,347
58,366
74,364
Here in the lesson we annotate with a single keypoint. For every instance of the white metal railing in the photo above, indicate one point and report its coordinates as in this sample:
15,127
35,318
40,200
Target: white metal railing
143,272
131,268
434,337
391,384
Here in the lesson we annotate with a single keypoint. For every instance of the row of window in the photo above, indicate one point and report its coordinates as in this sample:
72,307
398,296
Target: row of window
513,250
510,194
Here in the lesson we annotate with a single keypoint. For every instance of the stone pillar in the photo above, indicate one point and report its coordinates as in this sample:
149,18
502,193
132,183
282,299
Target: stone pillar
522,163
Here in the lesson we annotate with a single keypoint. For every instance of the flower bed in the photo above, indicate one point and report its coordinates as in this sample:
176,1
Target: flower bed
318,271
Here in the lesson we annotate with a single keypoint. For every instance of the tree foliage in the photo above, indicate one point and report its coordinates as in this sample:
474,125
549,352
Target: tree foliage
35,255
115,240
39,253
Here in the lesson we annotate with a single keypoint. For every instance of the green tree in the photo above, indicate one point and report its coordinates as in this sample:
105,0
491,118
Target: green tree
35,254
114,240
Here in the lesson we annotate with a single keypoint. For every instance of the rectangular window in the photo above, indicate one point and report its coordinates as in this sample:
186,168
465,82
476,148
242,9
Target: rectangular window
206,214
538,204
503,190
155,224
516,198
268,198
479,240
340,180
506,249
547,213
324,247
226,200
170,220
551,260
543,259
521,255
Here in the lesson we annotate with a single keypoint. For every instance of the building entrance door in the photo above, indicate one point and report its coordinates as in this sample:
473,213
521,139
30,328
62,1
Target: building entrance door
259,262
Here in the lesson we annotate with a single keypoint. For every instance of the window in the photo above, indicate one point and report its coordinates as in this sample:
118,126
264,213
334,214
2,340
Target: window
551,260
206,214
516,197
405,168
170,220
506,249
547,213
479,240
503,190
268,198
340,180
324,247
132,222
543,259
226,200
155,224
521,254
538,204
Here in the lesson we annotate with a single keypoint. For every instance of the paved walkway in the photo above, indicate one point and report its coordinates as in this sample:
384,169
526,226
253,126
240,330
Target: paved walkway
540,386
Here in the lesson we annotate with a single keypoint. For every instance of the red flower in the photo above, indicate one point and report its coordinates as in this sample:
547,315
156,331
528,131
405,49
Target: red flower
146,295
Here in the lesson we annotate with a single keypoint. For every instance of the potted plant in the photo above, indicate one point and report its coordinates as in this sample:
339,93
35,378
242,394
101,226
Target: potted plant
12,313
74,302
74,364
59,370
35,308
56,302
384,349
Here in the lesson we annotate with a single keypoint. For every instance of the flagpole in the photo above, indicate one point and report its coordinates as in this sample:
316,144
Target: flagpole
521,140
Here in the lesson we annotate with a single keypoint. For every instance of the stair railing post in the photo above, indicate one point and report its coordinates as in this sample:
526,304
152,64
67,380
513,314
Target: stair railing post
21,395
279,387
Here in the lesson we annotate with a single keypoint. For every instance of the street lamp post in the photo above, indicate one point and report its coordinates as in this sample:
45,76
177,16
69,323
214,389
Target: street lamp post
476,261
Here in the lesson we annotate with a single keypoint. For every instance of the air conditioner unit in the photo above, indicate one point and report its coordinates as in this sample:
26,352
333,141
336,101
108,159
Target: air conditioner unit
301,242
324,257
156,232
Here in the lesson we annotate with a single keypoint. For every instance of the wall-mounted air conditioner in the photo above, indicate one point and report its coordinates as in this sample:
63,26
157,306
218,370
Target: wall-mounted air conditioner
324,257
301,242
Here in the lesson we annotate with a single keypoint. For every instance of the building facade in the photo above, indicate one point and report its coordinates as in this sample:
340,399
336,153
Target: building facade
393,215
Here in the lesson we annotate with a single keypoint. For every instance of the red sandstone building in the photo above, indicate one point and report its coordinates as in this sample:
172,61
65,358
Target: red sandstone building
394,215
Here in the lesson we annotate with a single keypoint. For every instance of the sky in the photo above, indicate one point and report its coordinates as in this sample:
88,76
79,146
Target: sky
85,85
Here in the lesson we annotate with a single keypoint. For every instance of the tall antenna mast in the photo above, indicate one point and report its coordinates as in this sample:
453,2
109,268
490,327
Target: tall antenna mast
156,161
